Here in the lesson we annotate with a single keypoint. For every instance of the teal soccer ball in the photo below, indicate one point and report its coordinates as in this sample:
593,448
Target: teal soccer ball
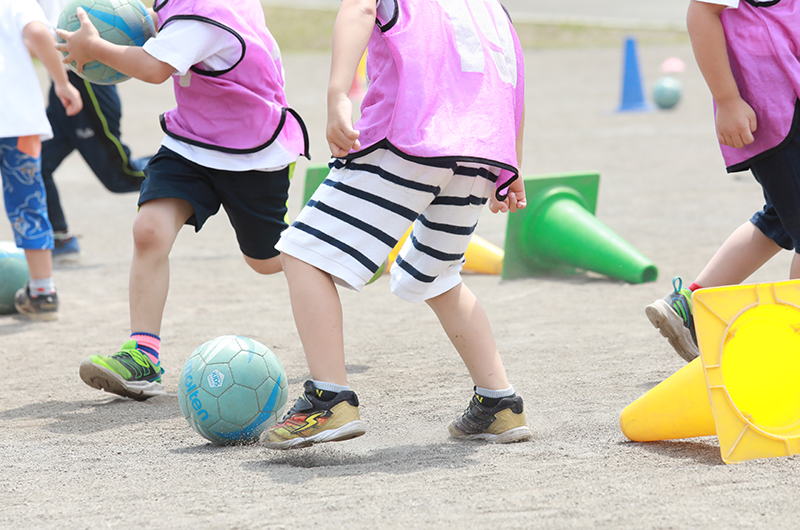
13,275
124,22
231,389
667,92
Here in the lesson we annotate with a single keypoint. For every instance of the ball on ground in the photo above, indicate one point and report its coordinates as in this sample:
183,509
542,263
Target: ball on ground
13,275
667,92
123,22
231,389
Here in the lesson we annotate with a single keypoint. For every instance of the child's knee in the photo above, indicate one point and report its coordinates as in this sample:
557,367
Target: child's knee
265,266
148,234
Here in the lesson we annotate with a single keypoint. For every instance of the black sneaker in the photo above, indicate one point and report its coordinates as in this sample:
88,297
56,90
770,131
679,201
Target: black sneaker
42,307
503,423
312,420
673,317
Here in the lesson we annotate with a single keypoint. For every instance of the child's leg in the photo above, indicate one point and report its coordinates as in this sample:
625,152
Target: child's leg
317,314
154,231
264,266
25,201
742,254
467,326
40,263
794,271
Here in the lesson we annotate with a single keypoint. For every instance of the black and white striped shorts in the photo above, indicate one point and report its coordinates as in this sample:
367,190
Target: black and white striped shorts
355,218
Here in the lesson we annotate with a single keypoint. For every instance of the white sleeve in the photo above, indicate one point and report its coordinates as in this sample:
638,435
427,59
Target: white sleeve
184,43
729,3
27,12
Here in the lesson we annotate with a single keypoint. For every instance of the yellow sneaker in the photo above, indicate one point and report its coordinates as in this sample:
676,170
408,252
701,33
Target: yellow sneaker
503,423
312,420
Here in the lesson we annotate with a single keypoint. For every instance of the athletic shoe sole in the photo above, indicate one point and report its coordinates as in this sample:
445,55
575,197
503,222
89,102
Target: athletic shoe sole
347,431
667,321
102,378
518,434
42,317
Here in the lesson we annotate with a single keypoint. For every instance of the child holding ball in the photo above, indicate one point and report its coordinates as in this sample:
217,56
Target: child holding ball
229,142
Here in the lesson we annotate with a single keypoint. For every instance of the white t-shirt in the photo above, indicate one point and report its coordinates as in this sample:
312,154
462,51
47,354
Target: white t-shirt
22,112
52,9
184,43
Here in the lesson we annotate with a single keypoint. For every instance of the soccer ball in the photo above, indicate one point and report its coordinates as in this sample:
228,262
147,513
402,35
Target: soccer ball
231,389
13,275
124,22
667,92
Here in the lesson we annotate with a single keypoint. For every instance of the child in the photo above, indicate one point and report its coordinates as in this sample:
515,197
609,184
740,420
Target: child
95,134
747,52
230,141
441,125
23,125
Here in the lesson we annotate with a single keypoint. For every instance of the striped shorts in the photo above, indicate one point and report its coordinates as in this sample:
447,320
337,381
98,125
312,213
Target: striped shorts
365,205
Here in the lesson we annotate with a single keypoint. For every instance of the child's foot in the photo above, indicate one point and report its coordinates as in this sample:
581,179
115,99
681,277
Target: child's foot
66,250
41,307
312,420
672,316
128,373
503,423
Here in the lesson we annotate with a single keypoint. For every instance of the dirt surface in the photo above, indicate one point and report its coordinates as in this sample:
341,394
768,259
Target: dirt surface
578,349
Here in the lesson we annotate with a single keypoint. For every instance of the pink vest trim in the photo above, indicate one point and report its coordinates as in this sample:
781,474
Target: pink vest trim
434,97
242,109
763,48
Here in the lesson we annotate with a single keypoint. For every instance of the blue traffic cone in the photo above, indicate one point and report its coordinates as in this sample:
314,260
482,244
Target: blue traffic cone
632,99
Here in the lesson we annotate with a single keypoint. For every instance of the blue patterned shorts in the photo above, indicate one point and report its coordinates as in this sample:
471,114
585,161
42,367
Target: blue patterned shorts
25,198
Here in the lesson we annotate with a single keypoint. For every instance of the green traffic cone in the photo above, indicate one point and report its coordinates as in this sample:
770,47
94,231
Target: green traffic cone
558,234
315,175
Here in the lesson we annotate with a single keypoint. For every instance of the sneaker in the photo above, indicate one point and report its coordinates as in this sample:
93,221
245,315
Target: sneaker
312,420
503,423
672,316
128,373
66,250
42,307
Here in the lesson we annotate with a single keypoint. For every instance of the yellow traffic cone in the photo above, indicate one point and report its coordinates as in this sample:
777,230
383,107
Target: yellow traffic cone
749,338
483,257
678,407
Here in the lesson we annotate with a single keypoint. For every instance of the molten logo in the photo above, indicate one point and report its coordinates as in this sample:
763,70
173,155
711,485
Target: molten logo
191,393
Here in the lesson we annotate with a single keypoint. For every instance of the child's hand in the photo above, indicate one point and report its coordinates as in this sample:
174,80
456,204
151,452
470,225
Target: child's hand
736,123
340,133
515,200
69,97
78,43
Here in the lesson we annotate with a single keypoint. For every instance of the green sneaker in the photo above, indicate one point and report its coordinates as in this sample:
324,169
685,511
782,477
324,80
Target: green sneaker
673,317
128,373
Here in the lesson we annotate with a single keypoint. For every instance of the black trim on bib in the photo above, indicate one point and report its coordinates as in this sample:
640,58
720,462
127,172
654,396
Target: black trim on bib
762,4
206,20
249,150
389,25
436,161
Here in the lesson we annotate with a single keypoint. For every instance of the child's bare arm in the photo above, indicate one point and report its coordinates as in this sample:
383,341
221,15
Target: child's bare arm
736,121
42,44
85,45
351,33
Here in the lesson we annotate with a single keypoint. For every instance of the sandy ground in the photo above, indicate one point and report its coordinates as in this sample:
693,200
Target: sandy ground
579,349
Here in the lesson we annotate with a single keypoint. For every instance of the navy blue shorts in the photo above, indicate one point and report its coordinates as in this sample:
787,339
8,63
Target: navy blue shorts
255,201
779,176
